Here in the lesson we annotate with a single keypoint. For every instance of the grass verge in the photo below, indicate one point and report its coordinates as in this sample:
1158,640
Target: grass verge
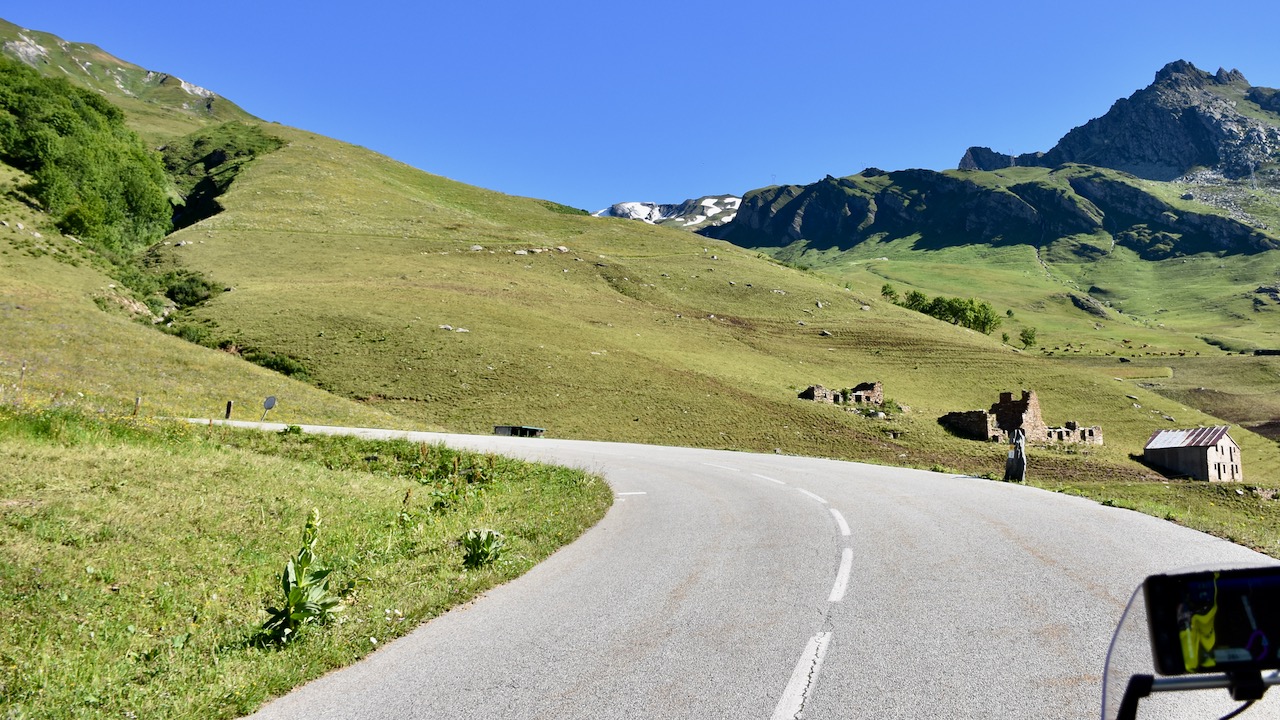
1245,514
137,559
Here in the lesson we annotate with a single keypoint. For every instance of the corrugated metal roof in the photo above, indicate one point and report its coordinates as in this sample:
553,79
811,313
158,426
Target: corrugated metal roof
1197,437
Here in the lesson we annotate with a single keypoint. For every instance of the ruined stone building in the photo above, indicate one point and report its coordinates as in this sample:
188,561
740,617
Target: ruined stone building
868,393
1007,415
817,393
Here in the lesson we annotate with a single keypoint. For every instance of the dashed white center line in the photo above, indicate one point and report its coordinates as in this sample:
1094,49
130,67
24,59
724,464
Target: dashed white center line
842,577
815,497
633,493
791,705
722,467
766,477
844,526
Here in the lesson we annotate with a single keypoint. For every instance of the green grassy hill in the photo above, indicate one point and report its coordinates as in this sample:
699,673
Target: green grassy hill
351,264
160,106
408,296
1095,301
69,324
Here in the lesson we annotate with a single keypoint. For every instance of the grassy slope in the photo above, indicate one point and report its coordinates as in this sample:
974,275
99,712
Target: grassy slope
351,262
137,561
1178,313
77,353
158,106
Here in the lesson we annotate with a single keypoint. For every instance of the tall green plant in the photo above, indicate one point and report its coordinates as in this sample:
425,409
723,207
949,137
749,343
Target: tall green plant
481,547
305,584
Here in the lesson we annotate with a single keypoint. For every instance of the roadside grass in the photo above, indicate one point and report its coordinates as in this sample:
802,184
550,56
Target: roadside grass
1244,513
137,557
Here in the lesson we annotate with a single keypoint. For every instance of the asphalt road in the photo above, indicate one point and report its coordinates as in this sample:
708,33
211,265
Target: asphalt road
735,585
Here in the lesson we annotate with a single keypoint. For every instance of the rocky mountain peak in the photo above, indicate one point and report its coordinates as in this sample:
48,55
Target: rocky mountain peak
1186,118
1181,73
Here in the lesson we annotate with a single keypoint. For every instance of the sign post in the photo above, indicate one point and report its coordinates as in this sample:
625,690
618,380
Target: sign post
267,404
1015,467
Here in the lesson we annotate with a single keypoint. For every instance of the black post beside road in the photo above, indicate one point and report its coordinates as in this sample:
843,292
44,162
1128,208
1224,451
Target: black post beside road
1015,467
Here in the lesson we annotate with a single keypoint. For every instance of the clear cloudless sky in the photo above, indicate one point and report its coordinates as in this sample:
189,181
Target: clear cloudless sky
591,103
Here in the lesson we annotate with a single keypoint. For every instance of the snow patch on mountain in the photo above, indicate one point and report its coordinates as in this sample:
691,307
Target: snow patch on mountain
195,89
710,211
28,50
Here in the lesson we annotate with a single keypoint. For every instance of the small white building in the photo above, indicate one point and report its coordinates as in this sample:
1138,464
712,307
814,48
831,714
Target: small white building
1206,453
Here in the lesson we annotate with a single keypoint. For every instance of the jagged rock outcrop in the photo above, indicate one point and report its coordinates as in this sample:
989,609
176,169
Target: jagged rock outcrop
1187,118
840,212
1188,124
1157,230
944,209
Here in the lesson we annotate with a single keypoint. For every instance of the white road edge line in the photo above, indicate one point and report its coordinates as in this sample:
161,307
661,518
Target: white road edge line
643,493
722,467
791,705
815,497
842,577
844,526
766,477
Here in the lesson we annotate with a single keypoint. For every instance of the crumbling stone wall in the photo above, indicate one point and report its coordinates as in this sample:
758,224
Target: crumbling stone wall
972,424
1009,414
1073,432
817,393
871,393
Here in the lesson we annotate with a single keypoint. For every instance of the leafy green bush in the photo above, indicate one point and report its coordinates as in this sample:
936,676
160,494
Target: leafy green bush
186,288
1027,337
481,547
197,334
305,584
282,364
89,170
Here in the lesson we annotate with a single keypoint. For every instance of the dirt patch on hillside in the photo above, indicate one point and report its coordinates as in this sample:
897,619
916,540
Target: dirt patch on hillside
1269,429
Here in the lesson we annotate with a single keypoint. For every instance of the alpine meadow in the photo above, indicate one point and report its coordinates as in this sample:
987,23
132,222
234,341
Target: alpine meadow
164,254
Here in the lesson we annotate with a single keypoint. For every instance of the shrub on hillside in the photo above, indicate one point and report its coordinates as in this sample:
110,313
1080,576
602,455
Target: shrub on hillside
89,171
282,364
967,312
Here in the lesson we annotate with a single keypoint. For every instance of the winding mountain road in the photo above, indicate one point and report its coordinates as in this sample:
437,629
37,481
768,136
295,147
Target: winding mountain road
736,585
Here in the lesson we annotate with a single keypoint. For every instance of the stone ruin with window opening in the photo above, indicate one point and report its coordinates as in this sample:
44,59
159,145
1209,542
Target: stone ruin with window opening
1007,415
867,393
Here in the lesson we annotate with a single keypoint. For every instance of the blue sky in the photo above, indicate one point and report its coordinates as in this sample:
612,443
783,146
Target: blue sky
590,103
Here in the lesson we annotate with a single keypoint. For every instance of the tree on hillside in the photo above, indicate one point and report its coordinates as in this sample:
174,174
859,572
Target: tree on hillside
915,300
985,319
1027,337
888,292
